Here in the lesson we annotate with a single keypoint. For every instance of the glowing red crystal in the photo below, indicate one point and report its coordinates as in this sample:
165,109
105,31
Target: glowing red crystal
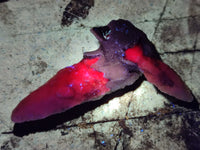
159,74
69,87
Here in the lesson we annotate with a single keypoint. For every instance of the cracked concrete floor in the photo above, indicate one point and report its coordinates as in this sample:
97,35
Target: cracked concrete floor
34,46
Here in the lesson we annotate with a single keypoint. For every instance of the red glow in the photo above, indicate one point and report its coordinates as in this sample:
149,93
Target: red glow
159,74
69,87
134,54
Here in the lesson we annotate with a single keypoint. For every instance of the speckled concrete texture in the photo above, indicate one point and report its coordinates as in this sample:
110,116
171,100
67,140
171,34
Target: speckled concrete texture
34,46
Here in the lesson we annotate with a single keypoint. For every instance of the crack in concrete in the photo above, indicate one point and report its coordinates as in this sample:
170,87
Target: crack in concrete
180,18
168,19
194,47
89,27
160,18
154,117
149,117
191,70
196,40
22,139
119,139
128,106
185,51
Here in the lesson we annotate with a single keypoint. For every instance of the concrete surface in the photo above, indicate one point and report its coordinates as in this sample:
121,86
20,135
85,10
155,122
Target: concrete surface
34,46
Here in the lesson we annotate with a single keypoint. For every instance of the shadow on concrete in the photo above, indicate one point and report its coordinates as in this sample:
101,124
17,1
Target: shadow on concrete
50,123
